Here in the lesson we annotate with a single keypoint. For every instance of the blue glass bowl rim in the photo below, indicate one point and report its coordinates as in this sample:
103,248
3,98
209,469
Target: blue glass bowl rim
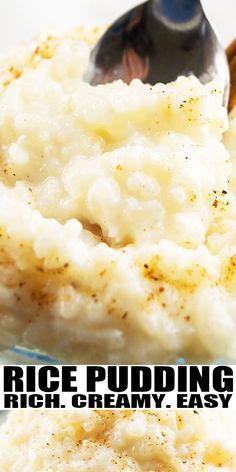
37,356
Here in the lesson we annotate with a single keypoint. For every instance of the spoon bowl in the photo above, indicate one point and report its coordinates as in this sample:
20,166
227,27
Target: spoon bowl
158,41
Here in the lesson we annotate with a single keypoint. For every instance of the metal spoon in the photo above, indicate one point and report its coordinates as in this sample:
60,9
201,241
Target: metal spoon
158,41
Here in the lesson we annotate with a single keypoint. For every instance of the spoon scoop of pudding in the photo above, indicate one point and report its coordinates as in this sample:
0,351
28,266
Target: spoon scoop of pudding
158,41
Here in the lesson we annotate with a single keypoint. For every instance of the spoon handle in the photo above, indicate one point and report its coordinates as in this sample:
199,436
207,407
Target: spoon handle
231,54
